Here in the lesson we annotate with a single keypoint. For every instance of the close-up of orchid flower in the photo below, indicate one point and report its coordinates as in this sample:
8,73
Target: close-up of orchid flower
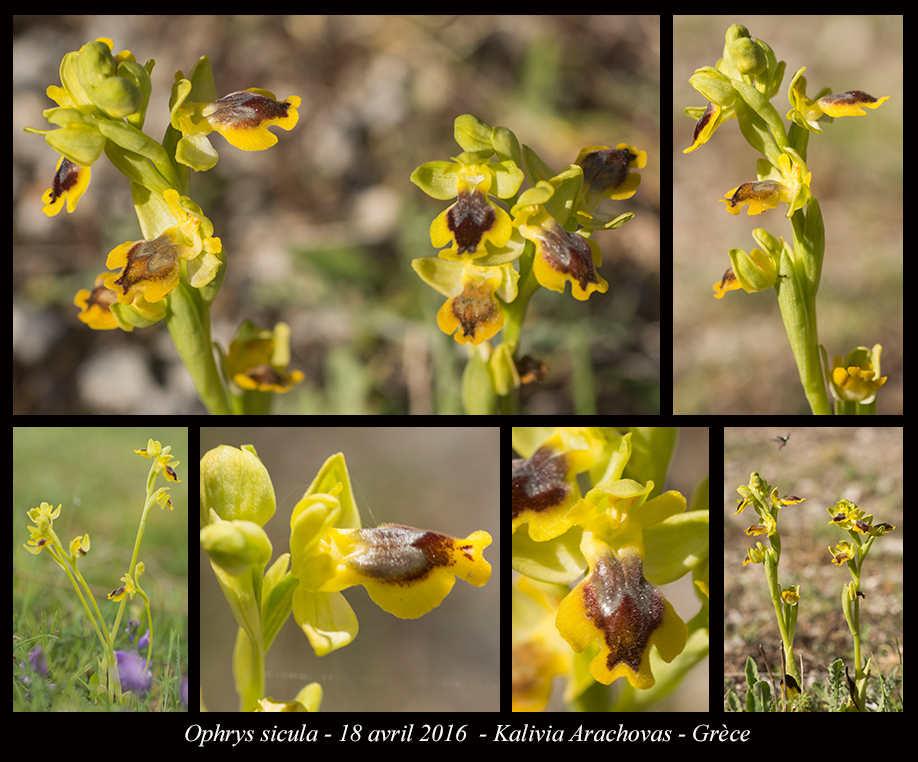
615,626
407,572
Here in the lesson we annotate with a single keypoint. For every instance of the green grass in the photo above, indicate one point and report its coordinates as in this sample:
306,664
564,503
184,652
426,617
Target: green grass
99,481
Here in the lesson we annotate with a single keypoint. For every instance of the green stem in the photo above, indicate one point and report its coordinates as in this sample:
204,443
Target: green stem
188,320
797,300
514,315
771,575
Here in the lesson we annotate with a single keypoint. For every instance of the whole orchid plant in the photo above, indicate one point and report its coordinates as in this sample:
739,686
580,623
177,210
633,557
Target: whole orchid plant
767,502
614,626
173,272
863,532
407,572
492,262
118,670
741,86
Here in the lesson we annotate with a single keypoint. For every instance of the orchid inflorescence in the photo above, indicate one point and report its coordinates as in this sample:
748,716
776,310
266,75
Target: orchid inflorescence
174,272
740,86
492,262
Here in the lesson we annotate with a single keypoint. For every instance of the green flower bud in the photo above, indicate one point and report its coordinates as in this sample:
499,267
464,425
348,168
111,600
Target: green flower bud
235,485
737,32
748,57
98,74
236,546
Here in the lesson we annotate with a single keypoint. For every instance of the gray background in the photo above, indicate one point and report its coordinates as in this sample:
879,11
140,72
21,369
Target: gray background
446,479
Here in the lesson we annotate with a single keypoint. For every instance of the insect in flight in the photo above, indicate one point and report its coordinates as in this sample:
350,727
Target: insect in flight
782,440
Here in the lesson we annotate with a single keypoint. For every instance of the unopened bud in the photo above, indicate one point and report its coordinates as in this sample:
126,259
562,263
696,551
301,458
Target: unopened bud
235,485
748,57
236,546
